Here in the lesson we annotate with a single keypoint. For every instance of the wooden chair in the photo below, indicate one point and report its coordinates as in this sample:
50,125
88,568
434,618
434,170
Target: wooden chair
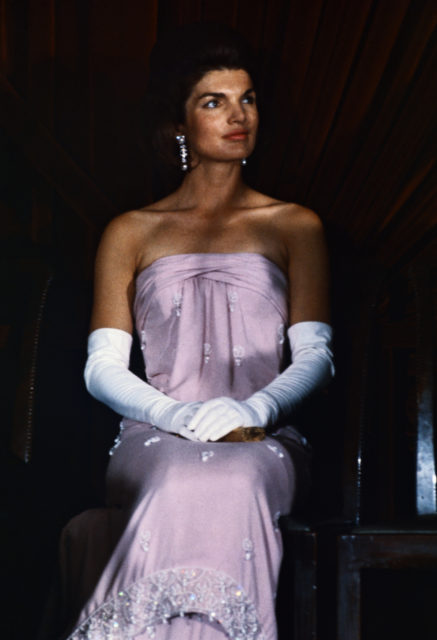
390,479
59,436
297,593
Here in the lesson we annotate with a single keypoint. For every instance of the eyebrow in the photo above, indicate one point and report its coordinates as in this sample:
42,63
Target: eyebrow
214,94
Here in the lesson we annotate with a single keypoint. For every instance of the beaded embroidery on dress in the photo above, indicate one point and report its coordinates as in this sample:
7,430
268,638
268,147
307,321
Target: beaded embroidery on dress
175,592
196,551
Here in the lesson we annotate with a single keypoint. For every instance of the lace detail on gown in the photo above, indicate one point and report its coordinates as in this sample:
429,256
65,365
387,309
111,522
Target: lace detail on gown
169,593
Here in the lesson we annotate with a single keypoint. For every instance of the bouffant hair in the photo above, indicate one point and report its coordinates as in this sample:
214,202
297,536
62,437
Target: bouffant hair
179,59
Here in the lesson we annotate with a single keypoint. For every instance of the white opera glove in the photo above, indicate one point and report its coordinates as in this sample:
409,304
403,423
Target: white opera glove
311,369
220,416
109,380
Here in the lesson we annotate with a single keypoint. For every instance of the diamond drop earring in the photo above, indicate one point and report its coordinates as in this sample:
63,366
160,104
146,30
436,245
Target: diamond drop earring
183,151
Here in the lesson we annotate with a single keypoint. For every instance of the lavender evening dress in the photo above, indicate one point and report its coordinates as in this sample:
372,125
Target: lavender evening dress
188,547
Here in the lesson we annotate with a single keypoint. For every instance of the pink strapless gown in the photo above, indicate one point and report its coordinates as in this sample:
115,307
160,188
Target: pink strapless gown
189,547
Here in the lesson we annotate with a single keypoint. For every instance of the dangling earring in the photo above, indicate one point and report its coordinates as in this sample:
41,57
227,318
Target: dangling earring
243,162
183,151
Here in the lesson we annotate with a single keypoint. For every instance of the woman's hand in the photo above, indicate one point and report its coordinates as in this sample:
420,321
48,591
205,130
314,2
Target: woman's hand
178,416
219,416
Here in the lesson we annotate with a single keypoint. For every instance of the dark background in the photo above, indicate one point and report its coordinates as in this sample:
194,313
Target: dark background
348,93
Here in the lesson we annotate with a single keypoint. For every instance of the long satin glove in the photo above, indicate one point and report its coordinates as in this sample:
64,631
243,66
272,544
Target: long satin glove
311,369
109,380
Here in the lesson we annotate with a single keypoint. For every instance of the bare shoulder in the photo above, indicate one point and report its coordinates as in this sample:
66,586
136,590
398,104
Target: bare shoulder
129,223
288,215
297,227
295,218
128,231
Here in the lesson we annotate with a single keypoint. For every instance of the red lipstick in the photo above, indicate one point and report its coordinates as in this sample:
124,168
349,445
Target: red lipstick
238,134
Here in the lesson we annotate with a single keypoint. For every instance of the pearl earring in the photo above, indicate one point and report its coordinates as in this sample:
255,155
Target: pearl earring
243,162
183,151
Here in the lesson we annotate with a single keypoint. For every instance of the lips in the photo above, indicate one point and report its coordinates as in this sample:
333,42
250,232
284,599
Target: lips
240,134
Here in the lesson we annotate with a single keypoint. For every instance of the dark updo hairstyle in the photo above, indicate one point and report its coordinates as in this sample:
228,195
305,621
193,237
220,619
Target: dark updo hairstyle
179,59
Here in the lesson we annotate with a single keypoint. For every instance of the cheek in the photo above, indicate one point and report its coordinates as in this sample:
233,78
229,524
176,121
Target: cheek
203,127
255,118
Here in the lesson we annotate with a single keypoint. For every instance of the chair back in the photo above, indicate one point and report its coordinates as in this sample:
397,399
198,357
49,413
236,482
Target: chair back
423,278
59,432
390,470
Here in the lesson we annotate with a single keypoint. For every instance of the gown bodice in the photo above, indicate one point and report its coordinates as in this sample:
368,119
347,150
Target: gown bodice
211,324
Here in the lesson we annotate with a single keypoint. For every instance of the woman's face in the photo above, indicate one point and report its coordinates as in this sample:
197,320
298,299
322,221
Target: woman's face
221,117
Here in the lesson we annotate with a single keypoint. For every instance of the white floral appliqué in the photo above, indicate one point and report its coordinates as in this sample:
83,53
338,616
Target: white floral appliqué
248,548
145,541
238,353
117,441
177,303
206,455
232,299
276,450
207,350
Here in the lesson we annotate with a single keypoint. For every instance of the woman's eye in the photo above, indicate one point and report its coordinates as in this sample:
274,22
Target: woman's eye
249,100
211,104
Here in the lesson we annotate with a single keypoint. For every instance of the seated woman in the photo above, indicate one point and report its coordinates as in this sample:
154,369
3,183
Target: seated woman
215,277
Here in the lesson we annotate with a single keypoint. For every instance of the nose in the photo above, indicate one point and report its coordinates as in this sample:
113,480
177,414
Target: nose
237,112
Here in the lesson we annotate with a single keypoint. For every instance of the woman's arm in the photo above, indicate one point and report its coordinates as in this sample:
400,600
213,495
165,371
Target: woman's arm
114,278
310,339
308,266
107,375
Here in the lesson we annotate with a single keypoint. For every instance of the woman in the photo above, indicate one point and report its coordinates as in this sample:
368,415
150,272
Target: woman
213,274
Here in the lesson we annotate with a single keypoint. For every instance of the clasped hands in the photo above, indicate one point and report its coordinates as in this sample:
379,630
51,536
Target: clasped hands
212,419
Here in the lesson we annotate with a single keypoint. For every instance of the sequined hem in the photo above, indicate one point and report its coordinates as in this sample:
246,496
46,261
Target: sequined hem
169,593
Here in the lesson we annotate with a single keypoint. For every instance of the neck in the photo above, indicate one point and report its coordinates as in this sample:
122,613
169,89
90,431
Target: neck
212,186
